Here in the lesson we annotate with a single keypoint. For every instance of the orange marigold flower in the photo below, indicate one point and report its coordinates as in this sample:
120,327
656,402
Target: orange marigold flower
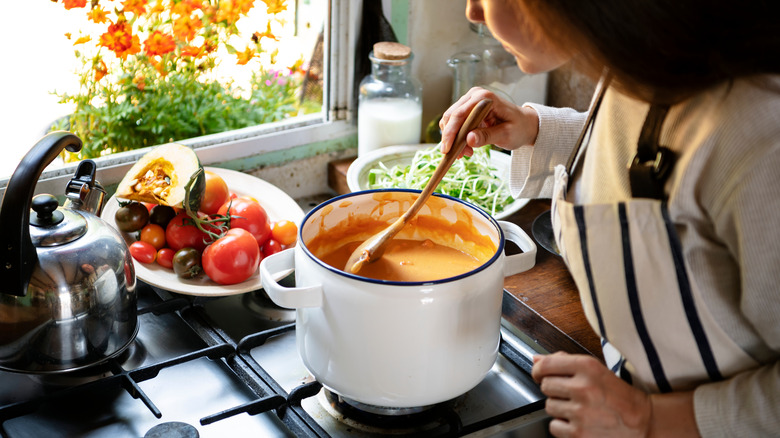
244,6
100,70
159,66
209,46
275,6
120,40
82,40
97,15
157,8
267,34
137,7
186,27
159,43
70,4
186,7
191,51
139,81
245,56
228,12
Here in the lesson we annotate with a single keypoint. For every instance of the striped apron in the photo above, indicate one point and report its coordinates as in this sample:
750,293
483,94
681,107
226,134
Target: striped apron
626,259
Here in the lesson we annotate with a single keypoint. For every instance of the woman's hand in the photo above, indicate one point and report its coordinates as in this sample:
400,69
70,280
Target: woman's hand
506,125
587,400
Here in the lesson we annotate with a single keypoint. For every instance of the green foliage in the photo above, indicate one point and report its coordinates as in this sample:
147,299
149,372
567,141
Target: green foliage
132,113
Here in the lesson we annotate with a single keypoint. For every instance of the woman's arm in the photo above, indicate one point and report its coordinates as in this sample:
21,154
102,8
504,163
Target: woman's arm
587,400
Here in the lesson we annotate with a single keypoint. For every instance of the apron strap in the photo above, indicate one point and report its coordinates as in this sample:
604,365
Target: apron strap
595,103
652,163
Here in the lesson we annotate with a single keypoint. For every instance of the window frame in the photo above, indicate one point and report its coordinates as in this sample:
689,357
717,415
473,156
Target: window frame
335,121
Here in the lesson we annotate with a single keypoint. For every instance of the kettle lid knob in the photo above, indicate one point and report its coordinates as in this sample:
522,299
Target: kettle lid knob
46,213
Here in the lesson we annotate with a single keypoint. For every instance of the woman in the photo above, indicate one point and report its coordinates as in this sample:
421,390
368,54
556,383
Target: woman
665,201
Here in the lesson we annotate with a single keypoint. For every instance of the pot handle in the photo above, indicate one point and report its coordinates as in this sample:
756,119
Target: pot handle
289,297
517,263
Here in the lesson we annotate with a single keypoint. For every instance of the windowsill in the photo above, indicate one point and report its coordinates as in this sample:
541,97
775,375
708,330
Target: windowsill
249,149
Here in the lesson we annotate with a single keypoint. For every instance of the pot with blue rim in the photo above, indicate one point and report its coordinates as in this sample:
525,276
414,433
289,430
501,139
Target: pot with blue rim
390,343
67,299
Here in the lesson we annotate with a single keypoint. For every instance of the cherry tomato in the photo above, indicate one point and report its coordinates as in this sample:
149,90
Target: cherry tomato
284,232
154,235
165,257
131,217
149,206
271,246
215,195
143,252
182,233
248,214
232,258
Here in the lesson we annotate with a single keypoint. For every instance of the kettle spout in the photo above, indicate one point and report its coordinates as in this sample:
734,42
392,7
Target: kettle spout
83,192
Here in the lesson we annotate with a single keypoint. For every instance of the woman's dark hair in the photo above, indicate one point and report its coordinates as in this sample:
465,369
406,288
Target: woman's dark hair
665,50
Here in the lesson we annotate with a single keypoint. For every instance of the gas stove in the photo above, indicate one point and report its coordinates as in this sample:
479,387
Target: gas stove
229,366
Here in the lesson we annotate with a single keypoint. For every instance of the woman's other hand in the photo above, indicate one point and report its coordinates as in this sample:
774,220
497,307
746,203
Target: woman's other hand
586,399
506,125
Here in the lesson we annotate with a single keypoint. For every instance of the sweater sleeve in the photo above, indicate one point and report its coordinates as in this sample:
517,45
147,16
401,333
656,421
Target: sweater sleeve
745,218
532,174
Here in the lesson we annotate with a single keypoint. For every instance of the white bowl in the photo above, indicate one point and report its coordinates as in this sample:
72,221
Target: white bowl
357,174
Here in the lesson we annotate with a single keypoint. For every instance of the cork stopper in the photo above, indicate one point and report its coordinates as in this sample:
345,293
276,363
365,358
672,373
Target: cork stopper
391,51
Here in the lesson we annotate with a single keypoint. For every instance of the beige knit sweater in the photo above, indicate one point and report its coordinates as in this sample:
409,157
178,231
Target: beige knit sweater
724,198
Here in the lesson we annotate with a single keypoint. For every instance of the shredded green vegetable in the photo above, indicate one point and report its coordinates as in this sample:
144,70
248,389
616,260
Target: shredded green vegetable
472,179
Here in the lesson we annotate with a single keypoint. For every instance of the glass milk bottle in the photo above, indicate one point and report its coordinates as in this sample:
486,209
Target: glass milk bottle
390,100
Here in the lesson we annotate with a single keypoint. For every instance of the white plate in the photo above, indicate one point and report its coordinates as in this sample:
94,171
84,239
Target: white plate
276,203
357,173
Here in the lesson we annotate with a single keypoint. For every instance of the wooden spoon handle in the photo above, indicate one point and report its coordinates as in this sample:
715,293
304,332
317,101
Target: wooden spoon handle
475,117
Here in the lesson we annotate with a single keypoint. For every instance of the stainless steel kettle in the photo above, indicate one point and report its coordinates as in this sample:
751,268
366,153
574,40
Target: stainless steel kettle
67,282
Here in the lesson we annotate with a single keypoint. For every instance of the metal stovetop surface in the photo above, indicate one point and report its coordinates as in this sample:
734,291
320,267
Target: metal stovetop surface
228,366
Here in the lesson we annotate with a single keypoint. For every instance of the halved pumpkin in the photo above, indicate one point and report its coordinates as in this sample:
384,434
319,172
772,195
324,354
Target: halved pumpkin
169,174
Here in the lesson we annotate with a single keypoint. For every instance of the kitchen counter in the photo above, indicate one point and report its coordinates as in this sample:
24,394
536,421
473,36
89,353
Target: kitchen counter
546,306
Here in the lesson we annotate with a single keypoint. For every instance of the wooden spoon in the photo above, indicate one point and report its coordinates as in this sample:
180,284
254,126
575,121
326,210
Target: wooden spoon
373,248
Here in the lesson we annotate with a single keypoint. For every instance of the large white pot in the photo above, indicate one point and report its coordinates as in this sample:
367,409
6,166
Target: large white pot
395,344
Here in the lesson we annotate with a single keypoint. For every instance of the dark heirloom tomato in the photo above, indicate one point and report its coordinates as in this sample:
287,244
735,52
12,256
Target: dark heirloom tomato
232,258
186,263
161,215
248,214
182,233
131,217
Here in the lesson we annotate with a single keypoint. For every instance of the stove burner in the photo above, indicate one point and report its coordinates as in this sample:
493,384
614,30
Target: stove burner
172,429
387,420
261,305
131,358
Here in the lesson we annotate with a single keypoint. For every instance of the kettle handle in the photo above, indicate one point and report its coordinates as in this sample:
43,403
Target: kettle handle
18,255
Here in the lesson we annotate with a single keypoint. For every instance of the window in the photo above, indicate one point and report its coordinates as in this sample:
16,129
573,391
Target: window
45,63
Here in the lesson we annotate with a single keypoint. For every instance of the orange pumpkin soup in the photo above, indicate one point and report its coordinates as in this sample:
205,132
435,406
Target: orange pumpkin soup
409,260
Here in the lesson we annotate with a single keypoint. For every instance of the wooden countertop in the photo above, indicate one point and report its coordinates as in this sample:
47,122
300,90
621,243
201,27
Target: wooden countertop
546,304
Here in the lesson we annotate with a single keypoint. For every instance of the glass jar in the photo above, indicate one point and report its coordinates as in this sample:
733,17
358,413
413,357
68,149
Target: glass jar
390,100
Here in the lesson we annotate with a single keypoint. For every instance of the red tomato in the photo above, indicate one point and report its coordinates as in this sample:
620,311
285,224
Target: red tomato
248,214
182,233
215,195
271,246
154,235
143,252
232,258
149,206
165,257
284,232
